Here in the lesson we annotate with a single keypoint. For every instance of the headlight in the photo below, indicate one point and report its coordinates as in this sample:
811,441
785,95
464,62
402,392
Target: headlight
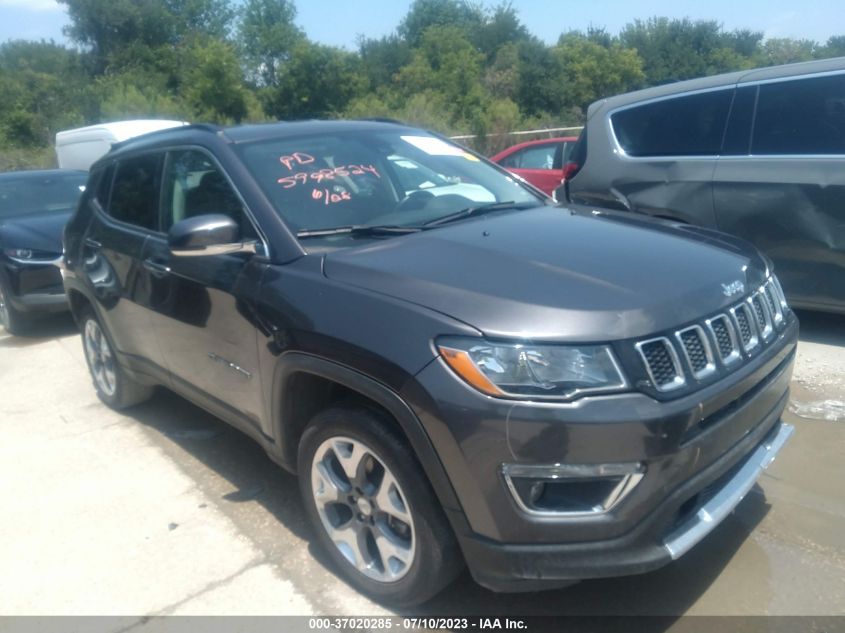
30,256
524,370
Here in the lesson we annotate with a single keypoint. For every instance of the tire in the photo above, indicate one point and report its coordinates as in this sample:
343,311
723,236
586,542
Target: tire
10,318
113,386
386,518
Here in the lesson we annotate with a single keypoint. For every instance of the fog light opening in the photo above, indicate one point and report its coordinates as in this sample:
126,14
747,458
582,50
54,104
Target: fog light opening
565,489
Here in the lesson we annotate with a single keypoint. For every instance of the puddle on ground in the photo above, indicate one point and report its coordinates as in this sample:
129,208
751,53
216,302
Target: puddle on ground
830,410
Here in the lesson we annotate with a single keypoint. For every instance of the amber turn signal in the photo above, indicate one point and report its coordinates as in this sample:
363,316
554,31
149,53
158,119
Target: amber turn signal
461,363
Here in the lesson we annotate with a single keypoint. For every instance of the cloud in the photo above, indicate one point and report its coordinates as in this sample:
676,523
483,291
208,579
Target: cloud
31,5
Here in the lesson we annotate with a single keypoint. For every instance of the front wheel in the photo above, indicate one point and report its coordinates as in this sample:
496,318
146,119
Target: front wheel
113,386
373,509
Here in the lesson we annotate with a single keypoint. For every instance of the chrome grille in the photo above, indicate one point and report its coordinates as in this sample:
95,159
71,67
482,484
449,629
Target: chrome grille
698,350
761,314
774,300
724,333
662,363
747,334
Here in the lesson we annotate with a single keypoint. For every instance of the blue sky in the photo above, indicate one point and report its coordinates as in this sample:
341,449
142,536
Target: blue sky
339,22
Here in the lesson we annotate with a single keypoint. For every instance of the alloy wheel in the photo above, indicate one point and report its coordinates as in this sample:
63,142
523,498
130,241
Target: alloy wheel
363,509
100,358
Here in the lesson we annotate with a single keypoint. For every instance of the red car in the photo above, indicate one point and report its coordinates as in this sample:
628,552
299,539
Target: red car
540,162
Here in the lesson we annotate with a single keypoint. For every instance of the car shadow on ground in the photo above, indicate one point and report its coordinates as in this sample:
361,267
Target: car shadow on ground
253,477
46,327
822,327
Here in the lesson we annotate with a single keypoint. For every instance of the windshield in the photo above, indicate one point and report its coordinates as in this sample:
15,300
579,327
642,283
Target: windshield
31,194
396,178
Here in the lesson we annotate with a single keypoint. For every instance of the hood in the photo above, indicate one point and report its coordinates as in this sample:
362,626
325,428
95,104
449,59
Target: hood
42,231
557,274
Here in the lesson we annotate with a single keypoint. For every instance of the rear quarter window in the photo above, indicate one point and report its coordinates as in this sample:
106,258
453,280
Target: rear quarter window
691,125
803,116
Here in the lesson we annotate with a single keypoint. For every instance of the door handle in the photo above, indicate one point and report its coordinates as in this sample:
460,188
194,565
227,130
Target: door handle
156,269
92,243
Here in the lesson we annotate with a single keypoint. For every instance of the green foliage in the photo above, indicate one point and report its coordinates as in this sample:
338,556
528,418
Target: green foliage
501,28
591,71
214,86
111,29
38,82
424,14
673,50
456,66
835,47
783,50
122,97
318,81
382,59
446,66
18,158
267,36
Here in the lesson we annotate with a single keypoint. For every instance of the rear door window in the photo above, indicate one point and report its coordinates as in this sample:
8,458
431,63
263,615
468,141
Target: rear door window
691,125
135,191
804,116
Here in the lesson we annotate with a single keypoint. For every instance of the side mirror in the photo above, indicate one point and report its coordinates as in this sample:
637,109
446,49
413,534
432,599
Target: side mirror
212,234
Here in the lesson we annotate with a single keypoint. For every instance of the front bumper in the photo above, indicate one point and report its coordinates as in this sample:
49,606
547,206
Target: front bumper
705,446
35,288
665,536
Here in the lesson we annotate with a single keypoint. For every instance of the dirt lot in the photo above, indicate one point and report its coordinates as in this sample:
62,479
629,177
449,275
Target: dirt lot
165,510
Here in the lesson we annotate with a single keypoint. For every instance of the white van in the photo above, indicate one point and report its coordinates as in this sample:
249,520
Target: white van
81,147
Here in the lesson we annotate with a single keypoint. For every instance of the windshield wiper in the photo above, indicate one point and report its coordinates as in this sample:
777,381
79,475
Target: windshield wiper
359,229
479,210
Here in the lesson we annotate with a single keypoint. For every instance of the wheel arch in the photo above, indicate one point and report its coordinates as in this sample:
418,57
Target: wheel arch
78,302
304,384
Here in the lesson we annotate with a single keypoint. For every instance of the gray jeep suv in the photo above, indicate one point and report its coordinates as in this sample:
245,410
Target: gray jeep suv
758,153
458,371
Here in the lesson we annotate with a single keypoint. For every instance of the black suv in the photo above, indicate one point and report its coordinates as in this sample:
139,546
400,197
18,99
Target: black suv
457,370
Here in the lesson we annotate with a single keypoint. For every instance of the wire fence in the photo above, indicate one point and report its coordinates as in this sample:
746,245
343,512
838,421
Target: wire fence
492,143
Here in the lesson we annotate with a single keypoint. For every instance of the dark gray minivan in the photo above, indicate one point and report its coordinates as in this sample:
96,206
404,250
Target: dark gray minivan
758,153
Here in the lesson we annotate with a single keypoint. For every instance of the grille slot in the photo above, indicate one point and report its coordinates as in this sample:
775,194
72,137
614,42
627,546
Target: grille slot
747,333
662,363
696,348
725,334
772,298
761,314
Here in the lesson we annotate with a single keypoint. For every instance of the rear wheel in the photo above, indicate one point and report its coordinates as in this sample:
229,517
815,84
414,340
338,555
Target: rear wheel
10,318
373,509
113,386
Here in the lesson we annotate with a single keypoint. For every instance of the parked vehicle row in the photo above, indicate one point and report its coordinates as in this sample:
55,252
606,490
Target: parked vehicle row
459,371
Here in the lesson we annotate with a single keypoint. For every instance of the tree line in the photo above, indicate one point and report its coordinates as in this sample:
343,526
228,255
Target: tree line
452,65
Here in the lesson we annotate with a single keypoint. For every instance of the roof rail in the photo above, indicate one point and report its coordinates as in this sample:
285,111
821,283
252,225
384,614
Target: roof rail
207,127
382,119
